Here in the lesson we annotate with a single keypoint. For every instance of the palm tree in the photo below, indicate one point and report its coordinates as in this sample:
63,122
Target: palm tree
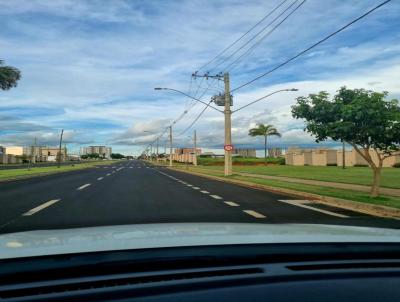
264,130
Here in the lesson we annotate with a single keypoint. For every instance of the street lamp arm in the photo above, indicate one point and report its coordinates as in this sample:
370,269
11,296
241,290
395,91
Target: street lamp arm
189,96
264,97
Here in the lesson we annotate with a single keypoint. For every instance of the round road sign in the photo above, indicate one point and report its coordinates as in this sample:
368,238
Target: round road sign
228,147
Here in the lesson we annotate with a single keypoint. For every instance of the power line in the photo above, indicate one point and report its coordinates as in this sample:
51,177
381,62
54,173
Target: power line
196,119
248,51
236,41
255,36
312,46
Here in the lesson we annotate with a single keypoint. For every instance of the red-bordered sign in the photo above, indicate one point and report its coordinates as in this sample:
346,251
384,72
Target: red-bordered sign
228,147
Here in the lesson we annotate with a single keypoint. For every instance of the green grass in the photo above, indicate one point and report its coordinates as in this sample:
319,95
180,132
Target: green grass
351,175
325,191
37,171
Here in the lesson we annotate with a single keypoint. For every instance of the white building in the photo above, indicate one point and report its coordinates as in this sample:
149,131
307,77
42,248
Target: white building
103,151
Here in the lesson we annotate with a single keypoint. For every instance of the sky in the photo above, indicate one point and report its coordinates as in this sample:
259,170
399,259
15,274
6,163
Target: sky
90,67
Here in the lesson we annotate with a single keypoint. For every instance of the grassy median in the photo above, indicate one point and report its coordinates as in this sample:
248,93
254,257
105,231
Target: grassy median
12,174
350,175
389,201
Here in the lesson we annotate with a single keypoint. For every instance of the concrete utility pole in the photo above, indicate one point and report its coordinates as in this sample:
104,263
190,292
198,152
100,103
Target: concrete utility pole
157,148
228,125
195,148
170,146
59,148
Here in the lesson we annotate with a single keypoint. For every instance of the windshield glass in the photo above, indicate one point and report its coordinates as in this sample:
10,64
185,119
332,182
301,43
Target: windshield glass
136,113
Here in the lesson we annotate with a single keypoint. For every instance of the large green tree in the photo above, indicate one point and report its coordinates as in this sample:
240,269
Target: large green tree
264,130
9,76
362,118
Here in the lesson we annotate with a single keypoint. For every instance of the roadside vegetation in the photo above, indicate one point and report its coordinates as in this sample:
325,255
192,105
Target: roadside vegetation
12,174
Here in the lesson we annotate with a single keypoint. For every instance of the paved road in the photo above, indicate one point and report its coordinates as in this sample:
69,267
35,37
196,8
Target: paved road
132,192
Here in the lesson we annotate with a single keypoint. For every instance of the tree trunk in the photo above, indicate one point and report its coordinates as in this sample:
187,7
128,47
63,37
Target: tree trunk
265,148
376,181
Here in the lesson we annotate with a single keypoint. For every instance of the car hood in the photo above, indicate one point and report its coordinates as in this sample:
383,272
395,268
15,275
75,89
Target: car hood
139,236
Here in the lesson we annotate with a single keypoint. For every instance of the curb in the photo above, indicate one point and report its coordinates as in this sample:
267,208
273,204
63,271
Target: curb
374,210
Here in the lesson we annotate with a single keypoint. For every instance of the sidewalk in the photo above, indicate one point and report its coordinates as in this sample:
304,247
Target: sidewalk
337,185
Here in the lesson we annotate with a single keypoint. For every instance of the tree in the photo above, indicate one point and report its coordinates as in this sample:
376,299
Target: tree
117,156
9,76
362,118
264,130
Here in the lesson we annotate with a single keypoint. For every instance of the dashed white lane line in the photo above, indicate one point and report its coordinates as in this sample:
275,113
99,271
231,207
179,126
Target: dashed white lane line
254,214
41,207
231,203
299,203
100,178
216,196
205,192
82,187
196,188
108,174
189,185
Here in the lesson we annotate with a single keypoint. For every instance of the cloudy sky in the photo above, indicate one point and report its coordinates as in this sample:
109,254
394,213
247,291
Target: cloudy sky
90,66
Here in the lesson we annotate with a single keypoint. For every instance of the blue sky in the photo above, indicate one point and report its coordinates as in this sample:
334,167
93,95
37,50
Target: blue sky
90,67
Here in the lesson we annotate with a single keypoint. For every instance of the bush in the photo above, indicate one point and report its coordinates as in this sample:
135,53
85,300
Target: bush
396,165
332,165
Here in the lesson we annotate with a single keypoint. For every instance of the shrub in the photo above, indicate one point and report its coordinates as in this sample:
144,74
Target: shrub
396,165
331,165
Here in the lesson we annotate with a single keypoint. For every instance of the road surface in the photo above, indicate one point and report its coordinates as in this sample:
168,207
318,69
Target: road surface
132,192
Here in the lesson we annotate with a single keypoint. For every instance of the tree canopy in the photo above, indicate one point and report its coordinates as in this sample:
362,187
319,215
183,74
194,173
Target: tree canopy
359,117
9,76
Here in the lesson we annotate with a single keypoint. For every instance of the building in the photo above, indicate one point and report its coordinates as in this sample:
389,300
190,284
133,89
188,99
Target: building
15,150
332,157
187,151
275,152
52,153
244,152
103,151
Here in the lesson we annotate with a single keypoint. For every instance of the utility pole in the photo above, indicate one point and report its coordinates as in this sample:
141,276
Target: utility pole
343,156
228,125
170,146
195,148
157,149
59,149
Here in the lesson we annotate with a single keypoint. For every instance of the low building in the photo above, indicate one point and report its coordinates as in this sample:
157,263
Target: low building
53,153
275,152
187,151
15,150
311,157
244,152
103,151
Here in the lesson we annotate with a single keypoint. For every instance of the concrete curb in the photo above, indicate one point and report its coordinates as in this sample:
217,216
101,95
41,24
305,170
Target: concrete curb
370,209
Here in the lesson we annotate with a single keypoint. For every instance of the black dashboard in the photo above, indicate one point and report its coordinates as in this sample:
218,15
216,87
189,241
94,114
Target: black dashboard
263,272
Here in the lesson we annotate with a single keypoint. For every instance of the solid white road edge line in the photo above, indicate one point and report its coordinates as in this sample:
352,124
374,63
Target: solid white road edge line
294,203
41,207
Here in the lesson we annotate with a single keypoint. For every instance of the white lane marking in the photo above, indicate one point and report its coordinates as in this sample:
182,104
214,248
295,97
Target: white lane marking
205,192
216,196
82,187
299,203
254,214
100,178
41,207
113,167
189,185
231,203
108,174
196,188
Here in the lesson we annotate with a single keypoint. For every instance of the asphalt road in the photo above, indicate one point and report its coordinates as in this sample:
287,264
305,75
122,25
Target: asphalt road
131,192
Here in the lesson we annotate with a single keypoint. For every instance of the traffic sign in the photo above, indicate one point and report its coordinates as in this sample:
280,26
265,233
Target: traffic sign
228,147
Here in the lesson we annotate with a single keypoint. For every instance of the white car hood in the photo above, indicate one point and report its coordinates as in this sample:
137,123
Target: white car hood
139,236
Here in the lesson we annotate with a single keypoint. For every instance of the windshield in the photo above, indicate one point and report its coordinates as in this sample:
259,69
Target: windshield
136,113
